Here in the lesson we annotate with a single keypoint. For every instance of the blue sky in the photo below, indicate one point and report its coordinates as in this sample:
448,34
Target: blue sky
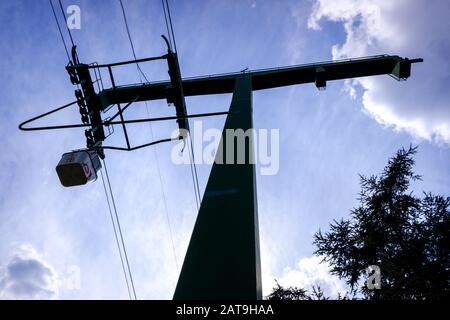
327,138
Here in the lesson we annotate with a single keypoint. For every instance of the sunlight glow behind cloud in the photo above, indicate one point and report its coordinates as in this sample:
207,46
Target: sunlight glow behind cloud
309,272
28,276
397,27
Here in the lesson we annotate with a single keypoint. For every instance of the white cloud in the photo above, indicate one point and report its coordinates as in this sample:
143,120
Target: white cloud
309,272
28,276
406,28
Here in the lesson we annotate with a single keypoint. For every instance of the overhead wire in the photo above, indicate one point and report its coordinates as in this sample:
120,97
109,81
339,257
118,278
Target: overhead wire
116,236
191,161
171,26
69,32
130,40
142,74
65,22
103,180
120,231
193,165
115,222
155,154
167,24
60,31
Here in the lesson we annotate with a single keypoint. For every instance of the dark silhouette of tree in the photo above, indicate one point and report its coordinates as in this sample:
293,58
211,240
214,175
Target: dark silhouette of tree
294,293
408,237
291,293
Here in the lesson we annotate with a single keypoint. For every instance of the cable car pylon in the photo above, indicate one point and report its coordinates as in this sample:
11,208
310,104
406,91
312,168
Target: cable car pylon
223,256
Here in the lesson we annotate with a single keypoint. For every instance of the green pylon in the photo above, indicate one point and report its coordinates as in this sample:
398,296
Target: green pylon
223,259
